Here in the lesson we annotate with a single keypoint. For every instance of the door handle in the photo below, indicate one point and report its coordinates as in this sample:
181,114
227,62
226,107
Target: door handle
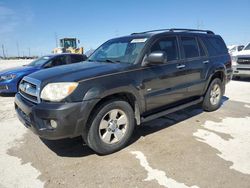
180,66
206,62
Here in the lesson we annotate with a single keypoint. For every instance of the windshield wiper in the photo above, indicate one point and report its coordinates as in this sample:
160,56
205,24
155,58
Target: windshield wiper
105,60
110,61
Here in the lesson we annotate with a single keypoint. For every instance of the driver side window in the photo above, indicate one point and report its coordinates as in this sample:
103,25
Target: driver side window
168,45
62,60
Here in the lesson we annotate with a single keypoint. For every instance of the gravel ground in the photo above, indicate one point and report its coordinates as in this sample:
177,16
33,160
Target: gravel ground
189,148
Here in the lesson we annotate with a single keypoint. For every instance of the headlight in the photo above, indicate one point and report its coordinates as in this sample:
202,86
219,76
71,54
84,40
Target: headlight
8,77
234,60
58,91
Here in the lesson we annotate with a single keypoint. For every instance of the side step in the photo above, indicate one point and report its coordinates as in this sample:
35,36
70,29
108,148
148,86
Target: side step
171,110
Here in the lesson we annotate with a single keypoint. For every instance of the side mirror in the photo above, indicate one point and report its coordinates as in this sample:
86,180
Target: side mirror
156,58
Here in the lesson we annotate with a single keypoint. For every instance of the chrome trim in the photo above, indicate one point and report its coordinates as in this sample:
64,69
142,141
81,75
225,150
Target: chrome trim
29,90
29,99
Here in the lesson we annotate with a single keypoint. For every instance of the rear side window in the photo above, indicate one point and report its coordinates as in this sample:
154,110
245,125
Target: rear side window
215,45
168,45
77,58
190,47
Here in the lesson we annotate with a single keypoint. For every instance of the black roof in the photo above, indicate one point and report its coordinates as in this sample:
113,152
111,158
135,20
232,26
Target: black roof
151,33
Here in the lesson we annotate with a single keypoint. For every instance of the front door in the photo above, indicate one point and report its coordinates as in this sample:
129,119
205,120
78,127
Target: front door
166,83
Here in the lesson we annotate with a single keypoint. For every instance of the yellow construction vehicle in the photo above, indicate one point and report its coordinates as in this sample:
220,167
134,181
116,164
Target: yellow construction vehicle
68,45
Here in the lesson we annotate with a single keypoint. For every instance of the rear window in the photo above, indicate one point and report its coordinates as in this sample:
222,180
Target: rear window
190,47
215,45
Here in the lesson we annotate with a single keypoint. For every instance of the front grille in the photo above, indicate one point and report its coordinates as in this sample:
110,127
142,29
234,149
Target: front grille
30,89
243,68
243,60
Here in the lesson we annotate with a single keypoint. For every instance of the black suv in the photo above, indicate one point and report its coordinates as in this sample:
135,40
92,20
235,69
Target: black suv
125,82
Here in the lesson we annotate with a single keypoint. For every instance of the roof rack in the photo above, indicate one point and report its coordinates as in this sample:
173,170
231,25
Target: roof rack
191,30
175,29
150,31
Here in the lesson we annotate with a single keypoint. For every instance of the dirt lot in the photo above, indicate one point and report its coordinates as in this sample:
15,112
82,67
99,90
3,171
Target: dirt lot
189,148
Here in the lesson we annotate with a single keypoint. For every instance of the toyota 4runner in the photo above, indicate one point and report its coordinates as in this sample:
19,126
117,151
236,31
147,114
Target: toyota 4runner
127,81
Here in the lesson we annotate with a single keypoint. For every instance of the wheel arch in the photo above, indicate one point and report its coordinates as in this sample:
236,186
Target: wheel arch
218,72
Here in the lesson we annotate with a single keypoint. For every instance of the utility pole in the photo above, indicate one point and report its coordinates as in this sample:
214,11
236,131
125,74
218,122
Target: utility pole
18,51
6,53
56,39
3,51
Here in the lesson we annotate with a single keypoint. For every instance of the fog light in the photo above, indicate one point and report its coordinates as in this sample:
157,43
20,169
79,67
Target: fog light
53,124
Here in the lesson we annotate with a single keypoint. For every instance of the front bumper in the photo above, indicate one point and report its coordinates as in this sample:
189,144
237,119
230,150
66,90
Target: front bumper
229,75
70,117
241,70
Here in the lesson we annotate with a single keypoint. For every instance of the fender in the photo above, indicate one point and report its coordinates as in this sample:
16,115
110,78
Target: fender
102,92
213,70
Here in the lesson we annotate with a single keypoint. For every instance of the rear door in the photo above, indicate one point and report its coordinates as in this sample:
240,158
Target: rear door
197,60
166,83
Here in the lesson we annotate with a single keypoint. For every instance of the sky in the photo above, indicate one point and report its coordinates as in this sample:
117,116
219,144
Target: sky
32,24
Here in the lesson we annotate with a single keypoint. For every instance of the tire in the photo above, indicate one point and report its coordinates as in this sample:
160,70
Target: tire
213,96
111,127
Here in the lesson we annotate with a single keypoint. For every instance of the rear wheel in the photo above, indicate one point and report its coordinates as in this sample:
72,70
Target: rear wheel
213,96
112,127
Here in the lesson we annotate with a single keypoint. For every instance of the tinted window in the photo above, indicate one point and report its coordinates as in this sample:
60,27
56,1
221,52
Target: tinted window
215,45
247,47
202,51
240,48
190,47
57,61
168,45
77,58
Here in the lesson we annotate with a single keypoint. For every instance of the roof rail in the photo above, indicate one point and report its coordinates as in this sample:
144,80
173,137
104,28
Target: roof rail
150,31
175,29
192,30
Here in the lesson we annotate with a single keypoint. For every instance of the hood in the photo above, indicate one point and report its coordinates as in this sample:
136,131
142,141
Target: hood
242,53
78,71
18,70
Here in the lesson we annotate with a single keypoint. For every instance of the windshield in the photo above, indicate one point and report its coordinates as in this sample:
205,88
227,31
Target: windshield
122,50
247,47
66,43
39,61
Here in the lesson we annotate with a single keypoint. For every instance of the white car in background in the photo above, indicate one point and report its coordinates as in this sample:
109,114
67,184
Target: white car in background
235,49
241,62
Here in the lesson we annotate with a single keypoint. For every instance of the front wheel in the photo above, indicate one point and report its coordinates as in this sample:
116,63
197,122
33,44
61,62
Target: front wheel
213,96
112,127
